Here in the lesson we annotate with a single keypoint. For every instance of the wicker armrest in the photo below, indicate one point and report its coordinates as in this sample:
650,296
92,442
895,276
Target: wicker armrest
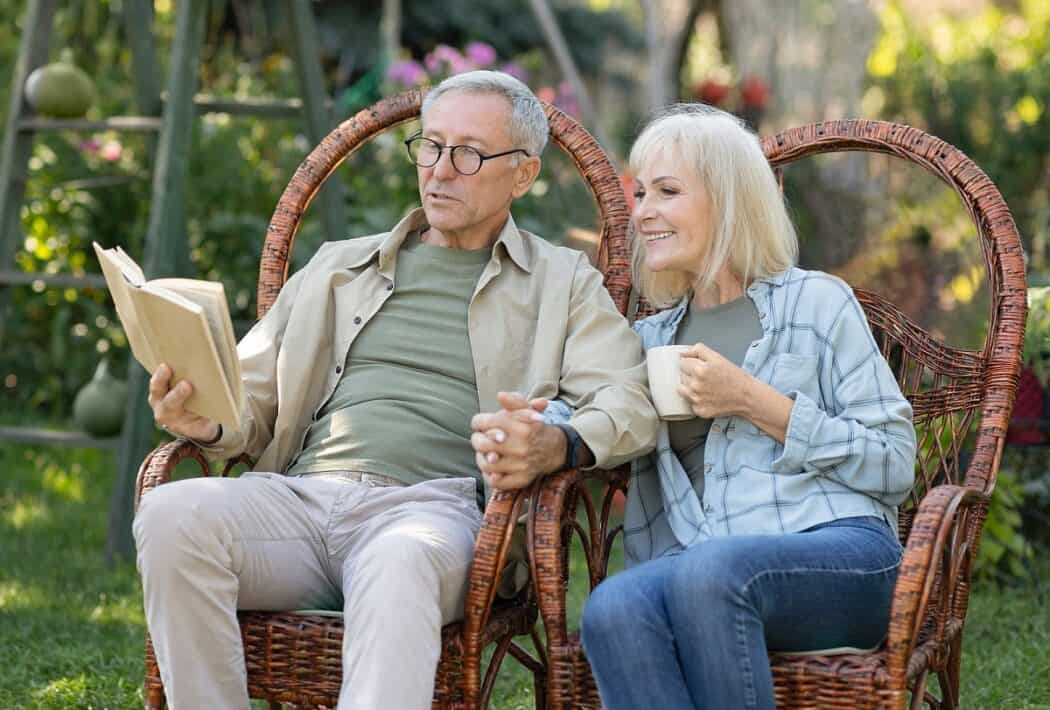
159,465
549,533
937,558
490,556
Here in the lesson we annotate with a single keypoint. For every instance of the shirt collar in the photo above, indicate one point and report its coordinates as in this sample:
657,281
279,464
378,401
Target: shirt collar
416,221
515,245
776,279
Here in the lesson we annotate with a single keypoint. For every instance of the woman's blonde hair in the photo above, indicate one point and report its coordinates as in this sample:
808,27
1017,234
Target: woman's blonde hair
750,231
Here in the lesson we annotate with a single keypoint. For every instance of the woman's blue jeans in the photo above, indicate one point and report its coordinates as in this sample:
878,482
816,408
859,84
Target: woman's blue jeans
692,630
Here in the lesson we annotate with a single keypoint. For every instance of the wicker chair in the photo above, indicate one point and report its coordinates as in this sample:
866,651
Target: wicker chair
962,401
295,658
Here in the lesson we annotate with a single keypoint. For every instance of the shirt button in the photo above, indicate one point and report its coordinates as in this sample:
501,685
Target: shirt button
390,287
716,427
709,508
338,369
357,320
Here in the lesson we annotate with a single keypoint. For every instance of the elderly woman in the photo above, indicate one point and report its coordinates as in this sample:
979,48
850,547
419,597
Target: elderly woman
768,522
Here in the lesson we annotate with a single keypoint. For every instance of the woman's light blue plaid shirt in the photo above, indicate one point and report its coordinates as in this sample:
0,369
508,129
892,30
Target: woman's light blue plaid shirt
850,445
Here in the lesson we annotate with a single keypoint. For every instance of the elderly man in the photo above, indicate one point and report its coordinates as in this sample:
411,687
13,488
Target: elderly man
363,387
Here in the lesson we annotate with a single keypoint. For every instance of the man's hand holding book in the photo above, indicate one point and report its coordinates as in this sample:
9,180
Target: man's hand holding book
170,413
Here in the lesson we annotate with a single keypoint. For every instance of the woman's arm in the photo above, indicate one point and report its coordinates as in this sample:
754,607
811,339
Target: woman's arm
862,434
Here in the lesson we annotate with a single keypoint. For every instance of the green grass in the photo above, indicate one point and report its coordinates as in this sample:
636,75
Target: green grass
71,630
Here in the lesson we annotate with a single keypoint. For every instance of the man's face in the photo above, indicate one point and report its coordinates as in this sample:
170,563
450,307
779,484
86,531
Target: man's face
455,203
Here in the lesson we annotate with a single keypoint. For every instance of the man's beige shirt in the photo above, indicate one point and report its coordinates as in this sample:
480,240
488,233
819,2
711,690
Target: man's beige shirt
540,323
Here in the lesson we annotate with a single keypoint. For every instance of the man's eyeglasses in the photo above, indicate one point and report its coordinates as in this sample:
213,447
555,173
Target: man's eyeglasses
466,159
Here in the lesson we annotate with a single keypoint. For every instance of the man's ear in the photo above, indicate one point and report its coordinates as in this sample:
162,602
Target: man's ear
526,173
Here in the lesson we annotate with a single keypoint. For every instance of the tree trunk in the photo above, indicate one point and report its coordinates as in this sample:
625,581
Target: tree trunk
390,30
668,27
813,56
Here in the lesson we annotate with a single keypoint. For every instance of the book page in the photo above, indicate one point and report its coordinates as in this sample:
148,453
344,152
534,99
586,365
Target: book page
128,266
182,336
121,279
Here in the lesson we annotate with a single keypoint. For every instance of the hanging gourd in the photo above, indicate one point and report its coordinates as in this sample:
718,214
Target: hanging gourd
99,405
60,89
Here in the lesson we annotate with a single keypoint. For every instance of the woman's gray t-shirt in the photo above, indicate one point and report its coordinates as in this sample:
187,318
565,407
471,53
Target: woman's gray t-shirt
728,329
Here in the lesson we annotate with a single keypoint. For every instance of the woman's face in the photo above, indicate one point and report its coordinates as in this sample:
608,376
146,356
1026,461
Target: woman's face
672,213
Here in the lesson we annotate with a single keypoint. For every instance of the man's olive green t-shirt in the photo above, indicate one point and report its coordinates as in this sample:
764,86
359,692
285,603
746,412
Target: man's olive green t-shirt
404,402
728,329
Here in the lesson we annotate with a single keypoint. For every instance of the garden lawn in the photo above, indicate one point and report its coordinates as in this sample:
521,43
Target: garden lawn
71,630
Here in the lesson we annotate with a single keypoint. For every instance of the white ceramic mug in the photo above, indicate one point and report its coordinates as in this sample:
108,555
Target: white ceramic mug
664,378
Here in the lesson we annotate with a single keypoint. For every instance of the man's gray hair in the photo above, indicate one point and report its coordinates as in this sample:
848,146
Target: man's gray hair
528,122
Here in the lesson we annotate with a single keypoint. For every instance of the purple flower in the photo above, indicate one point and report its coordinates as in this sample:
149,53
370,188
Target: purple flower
515,70
480,53
406,72
569,105
445,59
567,100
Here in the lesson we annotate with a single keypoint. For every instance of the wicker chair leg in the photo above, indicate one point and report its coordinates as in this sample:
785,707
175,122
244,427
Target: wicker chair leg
540,686
155,699
949,678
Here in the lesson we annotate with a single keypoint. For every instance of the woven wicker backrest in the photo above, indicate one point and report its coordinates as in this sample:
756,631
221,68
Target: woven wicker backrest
960,397
590,159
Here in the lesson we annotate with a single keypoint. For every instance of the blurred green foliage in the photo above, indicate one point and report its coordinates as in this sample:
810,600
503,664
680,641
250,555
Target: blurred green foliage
1005,552
982,83
1037,333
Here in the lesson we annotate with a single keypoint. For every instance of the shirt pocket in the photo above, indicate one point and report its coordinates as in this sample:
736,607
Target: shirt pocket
738,427
796,373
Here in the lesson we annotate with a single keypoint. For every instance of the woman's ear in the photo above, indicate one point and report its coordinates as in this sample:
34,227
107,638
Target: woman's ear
527,172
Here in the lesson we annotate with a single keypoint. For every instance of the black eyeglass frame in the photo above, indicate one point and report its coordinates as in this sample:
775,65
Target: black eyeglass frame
452,153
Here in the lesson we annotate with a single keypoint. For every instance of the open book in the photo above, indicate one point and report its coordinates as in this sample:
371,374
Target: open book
184,323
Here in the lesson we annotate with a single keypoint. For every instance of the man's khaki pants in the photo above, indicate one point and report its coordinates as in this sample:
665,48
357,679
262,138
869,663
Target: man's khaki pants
394,558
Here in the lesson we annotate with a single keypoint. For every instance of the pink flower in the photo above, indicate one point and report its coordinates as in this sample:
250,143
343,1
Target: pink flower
111,151
546,94
480,53
89,146
406,73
